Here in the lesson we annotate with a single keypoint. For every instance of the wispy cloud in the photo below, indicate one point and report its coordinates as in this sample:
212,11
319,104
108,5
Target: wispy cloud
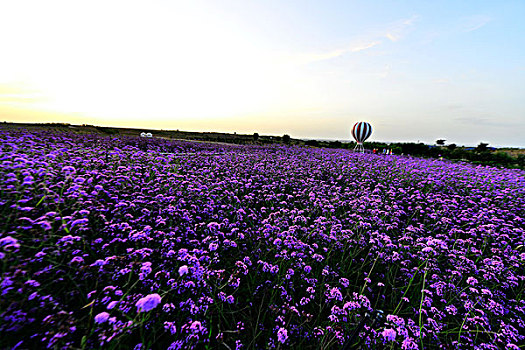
305,58
366,46
20,98
394,32
17,93
475,22
399,29
314,57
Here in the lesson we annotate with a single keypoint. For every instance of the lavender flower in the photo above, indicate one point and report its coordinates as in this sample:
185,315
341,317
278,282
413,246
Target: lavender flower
440,243
183,270
282,335
101,317
389,334
148,303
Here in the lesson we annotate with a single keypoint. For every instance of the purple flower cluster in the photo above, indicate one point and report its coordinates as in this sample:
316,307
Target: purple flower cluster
126,242
148,303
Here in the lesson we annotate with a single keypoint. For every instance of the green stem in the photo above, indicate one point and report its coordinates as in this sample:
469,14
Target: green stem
421,306
405,292
369,272
464,320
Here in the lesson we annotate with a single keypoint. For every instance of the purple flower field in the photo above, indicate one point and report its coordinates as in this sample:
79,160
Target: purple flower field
130,243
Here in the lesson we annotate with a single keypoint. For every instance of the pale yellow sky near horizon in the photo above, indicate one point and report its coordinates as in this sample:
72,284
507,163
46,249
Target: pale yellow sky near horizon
89,64
170,72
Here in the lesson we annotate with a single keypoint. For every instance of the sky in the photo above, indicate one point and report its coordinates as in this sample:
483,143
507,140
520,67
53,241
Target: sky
415,70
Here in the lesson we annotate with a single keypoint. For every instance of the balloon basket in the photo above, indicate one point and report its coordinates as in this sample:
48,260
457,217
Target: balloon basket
359,148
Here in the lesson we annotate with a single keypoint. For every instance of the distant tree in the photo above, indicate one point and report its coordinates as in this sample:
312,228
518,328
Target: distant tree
414,149
521,160
482,147
502,159
396,150
459,153
452,146
255,136
434,152
313,143
335,144
286,139
440,142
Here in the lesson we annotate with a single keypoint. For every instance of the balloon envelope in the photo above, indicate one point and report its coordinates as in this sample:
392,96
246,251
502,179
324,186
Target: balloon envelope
361,131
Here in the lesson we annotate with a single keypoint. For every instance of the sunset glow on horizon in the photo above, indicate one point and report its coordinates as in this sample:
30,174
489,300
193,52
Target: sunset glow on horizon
416,71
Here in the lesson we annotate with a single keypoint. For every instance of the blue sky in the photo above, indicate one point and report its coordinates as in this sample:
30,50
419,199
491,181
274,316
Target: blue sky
416,70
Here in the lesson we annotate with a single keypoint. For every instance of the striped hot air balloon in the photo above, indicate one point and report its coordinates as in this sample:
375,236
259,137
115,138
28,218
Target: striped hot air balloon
361,131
